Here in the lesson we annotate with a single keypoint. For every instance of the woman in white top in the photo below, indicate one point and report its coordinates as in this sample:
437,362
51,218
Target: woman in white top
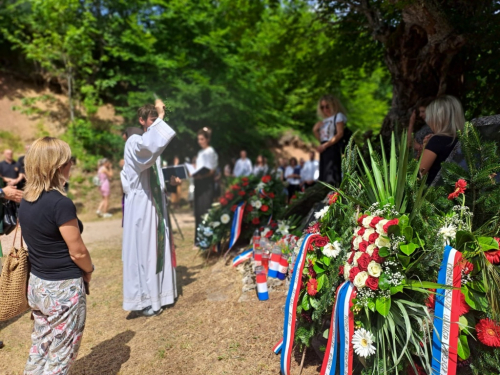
292,175
329,132
204,183
259,167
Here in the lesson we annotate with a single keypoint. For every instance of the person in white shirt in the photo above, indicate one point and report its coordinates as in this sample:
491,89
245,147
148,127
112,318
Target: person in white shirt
329,132
310,172
292,175
259,168
243,166
204,184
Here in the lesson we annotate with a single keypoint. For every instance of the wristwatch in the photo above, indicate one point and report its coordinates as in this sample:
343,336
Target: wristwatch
2,193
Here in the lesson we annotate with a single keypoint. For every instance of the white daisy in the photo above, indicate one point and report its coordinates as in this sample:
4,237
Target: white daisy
318,215
332,250
257,204
362,342
448,232
225,218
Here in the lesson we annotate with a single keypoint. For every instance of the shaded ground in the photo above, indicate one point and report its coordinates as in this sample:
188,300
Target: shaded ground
206,332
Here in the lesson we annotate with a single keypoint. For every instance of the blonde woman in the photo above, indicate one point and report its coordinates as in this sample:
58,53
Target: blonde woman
105,173
329,132
60,262
445,117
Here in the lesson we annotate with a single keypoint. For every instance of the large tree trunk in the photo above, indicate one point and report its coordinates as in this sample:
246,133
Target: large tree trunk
420,55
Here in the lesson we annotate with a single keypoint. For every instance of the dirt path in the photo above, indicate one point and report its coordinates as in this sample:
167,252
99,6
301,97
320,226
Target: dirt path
206,332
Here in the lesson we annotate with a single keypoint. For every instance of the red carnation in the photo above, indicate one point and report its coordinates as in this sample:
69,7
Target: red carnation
371,282
373,237
236,187
375,221
341,270
229,195
321,241
312,287
363,245
351,257
264,208
269,233
493,256
241,192
361,232
353,272
234,207
360,219
248,208
488,332
463,307
460,186
255,220
266,179
223,201
390,223
377,258
332,198
363,261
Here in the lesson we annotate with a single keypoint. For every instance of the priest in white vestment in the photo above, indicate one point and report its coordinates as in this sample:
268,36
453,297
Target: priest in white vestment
149,280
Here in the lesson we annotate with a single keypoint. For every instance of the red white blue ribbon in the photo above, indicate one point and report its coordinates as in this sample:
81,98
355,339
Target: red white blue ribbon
278,346
446,315
243,257
236,225
291,305
341,332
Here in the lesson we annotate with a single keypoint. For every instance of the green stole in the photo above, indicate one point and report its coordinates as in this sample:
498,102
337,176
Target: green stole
155,187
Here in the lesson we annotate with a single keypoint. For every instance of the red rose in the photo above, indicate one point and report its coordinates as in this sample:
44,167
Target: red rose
341,270
321,241
361,232
270,195
360,219
266,179
493,256
363,245
223,201
264,208
353,272
242,193
373,237
377,258
375,221
234,207
390,223
255,221
235,187
245,183
312,287
248,208
351,257
460,186
372,282
269,234
229,195
363,261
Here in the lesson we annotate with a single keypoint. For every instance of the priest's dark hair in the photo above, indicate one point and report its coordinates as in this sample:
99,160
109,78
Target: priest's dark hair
147,110
206,132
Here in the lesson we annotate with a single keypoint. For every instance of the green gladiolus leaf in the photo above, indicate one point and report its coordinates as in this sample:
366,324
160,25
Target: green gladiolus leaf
383,305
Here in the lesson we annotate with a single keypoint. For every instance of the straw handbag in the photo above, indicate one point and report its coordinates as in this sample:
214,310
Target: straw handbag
14,282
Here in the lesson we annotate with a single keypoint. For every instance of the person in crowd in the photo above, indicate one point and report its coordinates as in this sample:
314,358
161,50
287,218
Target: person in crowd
282,164
243,166
424,133
228,168
445,117
266,165
105,173
310,171
292,175
175,193
149,279
204,184
61,266
259,168
10,171
301,163
329,131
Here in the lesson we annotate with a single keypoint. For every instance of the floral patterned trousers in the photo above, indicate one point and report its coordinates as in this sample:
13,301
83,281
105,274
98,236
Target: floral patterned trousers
59,310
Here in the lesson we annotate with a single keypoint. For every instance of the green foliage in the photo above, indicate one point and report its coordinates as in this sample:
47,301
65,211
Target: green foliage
11,141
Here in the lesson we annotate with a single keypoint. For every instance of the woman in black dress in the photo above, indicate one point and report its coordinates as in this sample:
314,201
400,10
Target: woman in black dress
329,133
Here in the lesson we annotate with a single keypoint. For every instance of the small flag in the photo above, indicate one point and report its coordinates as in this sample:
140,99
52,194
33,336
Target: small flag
243,257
